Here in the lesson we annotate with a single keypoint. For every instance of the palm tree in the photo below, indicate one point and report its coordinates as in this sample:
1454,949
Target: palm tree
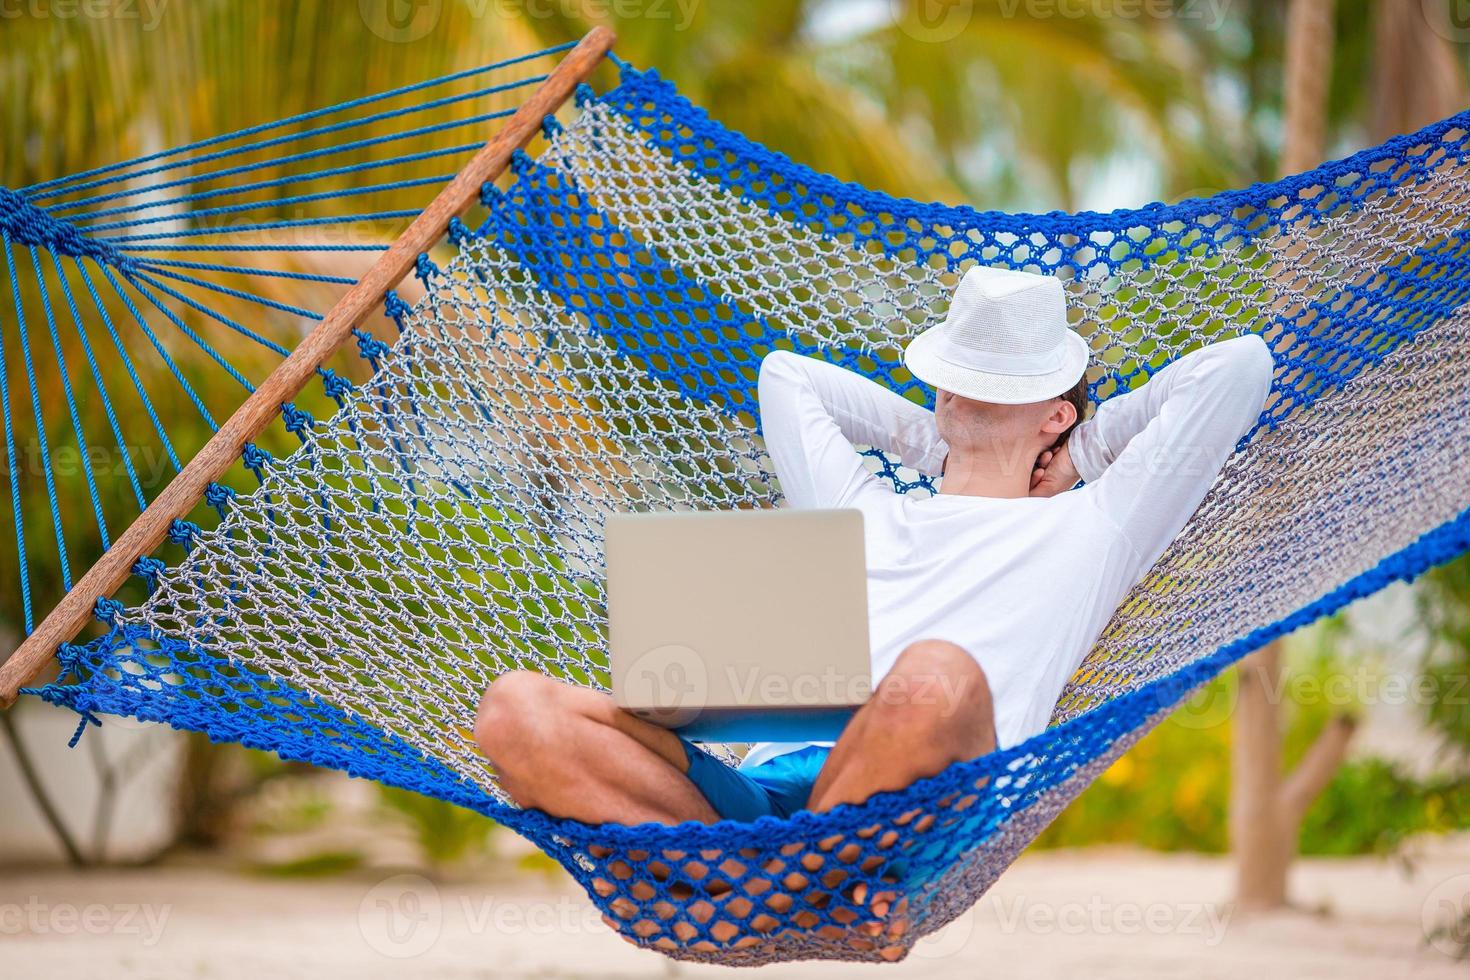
1416,80
881,106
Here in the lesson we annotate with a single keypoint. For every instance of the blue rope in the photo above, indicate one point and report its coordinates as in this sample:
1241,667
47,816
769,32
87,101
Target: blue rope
35,190
28,225
237,294
59,210
127,361
305,247
122,445
16,512
269,226
187,331
66,206
268,205
42,442
71,402
162,351
158,265
315,154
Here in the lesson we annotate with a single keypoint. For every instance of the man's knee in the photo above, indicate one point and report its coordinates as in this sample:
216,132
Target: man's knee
513,715
935,684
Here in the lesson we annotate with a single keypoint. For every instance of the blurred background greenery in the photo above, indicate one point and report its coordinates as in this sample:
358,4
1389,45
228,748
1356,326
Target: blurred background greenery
994,104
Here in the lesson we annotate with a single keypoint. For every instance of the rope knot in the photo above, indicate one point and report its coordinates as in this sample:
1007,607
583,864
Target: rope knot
254,458
66,697
584,96
27,224
395,307
490,196
336,386
298,422
69,657
424,268
551,126
457,232
521,163
370,347
106,610
183,532
218,496
149,569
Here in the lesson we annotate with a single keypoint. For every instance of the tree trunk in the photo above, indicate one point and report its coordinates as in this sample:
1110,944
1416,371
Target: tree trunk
1262,851
1266,807
1417,78
1263,832
1308,72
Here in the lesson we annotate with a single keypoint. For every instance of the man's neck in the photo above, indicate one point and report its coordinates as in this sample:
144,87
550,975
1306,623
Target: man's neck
987,475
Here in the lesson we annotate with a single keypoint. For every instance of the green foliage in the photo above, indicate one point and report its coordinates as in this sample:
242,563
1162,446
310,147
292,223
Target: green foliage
1372,805
1011,110
1445,606
322,865
444,833
1171,791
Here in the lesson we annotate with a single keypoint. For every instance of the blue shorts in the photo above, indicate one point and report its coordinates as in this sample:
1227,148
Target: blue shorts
775,788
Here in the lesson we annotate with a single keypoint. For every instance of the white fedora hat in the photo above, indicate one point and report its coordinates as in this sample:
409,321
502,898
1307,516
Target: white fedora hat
1005,340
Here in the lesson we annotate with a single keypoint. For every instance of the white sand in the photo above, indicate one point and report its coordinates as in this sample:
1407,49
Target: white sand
1092,914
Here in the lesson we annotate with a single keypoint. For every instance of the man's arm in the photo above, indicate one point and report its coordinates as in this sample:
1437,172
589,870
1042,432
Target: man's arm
1150,456
813,414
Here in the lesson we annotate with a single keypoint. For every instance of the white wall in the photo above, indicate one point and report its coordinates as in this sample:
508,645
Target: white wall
148,755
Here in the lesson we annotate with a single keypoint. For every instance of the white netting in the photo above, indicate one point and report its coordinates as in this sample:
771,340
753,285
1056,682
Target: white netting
446,526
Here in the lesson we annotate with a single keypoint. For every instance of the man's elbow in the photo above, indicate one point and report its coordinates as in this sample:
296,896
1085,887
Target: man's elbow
779,361
776,367
1247,367
1243,362
1257,362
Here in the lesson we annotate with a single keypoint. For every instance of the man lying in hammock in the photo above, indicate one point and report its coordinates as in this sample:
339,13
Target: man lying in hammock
983,599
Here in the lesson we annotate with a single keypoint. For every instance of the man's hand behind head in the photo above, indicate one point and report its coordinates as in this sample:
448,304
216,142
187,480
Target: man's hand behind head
1053,473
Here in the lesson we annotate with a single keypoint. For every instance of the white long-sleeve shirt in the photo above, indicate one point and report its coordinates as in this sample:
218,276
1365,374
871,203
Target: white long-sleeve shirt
1024,585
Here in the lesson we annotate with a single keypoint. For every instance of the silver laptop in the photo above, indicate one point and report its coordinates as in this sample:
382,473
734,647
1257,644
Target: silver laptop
739,626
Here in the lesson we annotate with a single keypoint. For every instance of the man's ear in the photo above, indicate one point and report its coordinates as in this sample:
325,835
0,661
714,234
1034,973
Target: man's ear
1063,414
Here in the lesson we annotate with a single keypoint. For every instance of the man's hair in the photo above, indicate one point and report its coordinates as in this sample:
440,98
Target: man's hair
1077,395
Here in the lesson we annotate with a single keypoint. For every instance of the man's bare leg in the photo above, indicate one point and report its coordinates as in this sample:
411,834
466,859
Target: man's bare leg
932,709
574,753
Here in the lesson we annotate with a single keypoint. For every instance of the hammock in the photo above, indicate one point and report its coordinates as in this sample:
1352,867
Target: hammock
592,346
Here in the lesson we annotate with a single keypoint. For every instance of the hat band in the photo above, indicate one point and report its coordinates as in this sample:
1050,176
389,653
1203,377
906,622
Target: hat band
991,362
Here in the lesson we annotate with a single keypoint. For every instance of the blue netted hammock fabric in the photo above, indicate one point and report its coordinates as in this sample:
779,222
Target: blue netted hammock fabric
593,346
